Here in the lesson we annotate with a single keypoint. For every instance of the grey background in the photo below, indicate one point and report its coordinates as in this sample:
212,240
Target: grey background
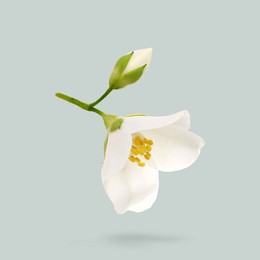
206,60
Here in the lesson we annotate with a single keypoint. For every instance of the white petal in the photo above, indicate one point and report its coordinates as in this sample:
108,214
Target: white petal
174,148
142,123
139,59
117,152
133,188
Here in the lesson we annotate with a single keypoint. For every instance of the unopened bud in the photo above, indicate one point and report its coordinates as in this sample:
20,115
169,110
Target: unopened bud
130,68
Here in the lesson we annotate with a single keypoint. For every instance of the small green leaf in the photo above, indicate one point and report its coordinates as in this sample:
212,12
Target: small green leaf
119,69
131,77
116,124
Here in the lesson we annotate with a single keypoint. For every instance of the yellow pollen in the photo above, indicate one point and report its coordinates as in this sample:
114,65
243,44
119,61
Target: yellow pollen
137,159
138,138
141,151
147,156
141,164
136,142
134,151
132,158
150,142
148,148
141,148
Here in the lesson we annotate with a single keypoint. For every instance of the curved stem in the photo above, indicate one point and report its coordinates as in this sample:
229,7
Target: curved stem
97,111
74,101
101,98
108,119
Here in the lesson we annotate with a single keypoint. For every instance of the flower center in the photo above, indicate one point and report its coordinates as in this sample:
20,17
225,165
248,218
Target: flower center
141,148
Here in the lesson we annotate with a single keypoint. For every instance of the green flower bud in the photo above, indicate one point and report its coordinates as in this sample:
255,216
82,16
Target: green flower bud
130,68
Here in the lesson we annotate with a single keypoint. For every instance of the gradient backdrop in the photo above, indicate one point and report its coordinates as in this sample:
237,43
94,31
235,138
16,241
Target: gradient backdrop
206,60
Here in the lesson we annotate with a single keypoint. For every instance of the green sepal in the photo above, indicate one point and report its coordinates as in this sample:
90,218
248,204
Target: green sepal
131,115
119,69
108,120
105,144
113,127
116,124
130,77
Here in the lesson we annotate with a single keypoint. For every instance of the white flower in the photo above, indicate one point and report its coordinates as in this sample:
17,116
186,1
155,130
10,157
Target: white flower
135,153
130,68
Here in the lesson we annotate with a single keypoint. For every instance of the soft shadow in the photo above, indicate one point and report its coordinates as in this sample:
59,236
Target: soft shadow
142,239
130,240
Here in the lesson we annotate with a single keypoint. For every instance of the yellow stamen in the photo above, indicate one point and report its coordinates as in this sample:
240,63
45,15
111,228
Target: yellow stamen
138,138
134,150
136,142
137,159
132,158
141,148
141,151
141,164
150,142
148,148
147,156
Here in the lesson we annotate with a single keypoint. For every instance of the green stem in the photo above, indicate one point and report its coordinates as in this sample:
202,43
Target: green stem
101,98
74,101
108,119
97,111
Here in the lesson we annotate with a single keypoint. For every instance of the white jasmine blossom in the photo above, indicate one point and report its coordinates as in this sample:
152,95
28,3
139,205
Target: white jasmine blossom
138,150
137,147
